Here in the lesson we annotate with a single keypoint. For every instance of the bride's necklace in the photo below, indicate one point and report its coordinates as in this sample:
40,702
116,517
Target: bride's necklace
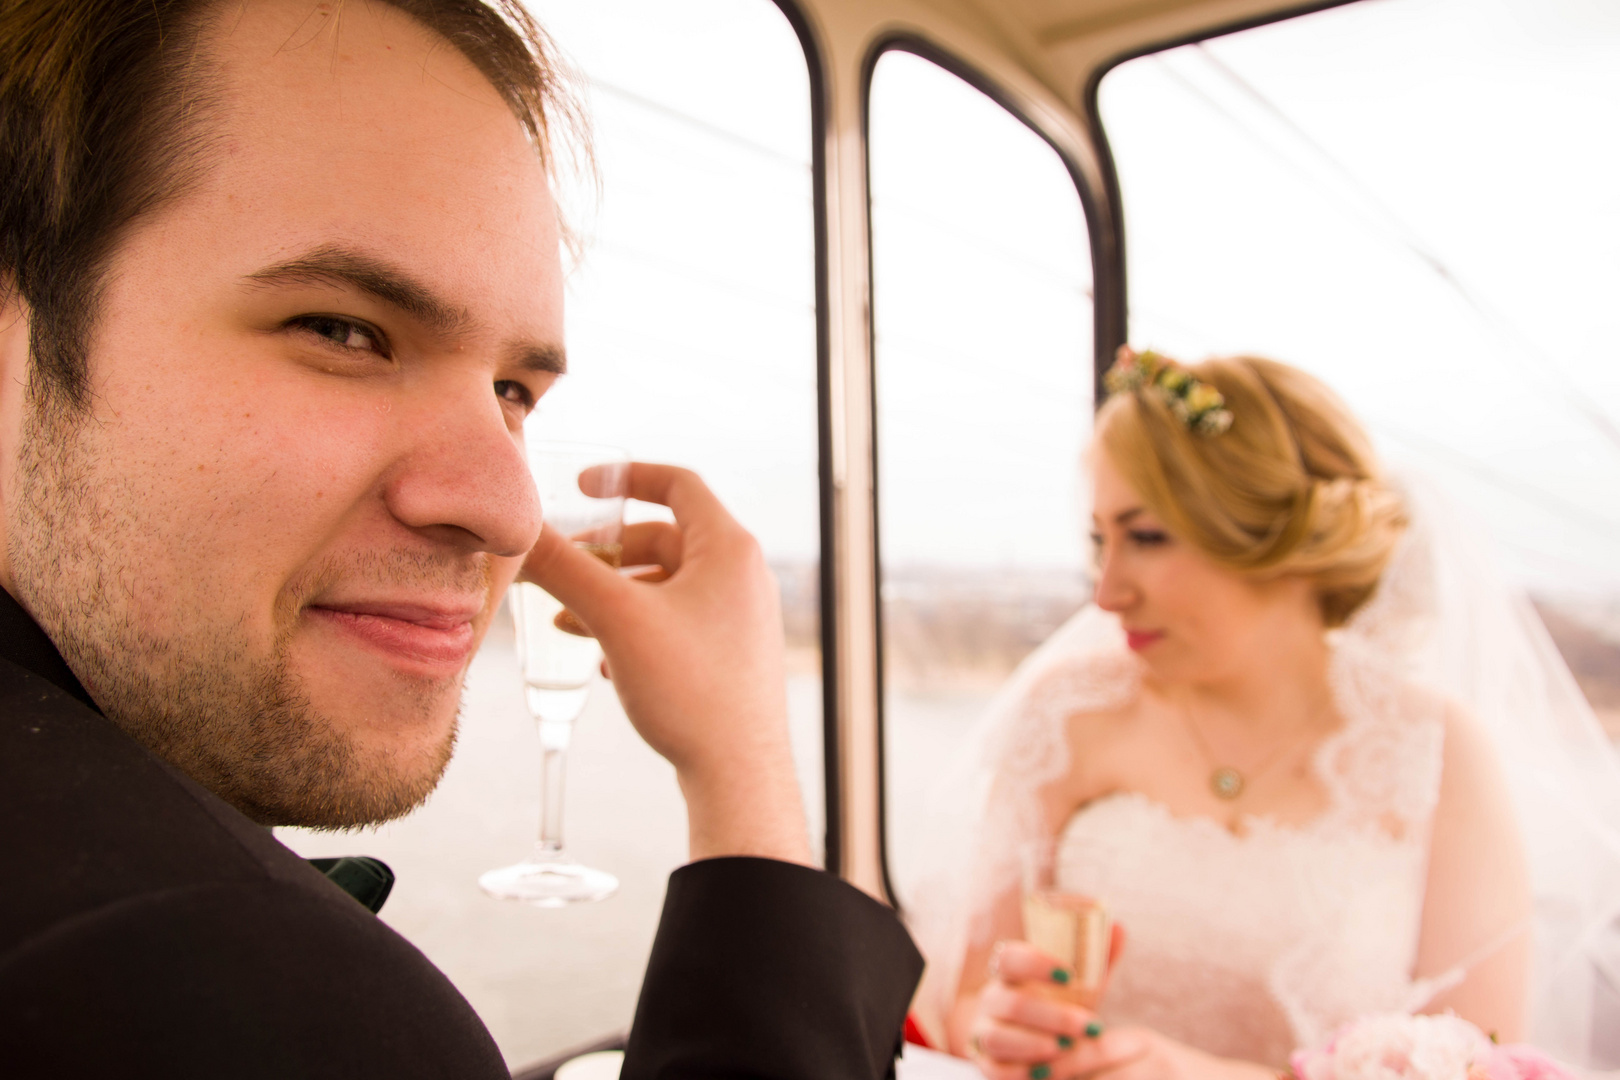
1226,781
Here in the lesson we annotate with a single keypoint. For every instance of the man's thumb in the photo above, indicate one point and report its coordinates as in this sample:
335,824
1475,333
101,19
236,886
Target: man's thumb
585,585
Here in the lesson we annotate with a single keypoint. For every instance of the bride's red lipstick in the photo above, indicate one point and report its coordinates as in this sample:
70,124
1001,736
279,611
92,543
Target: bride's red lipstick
1141,639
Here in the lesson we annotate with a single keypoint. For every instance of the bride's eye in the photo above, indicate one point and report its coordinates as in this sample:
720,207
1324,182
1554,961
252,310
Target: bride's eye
1149,537
343,332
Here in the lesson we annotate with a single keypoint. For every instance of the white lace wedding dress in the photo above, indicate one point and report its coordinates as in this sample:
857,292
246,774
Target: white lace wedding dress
1250,944
1253,945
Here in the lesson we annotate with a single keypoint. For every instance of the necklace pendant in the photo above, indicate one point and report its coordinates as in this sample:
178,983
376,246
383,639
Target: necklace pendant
1226,783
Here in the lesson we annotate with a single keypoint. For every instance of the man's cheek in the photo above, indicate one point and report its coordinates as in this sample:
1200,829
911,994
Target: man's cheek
280,491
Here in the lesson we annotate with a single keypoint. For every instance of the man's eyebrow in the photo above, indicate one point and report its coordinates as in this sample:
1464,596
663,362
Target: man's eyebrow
550,358
382,280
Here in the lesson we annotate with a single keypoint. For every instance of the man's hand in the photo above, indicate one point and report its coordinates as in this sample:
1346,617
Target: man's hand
696,659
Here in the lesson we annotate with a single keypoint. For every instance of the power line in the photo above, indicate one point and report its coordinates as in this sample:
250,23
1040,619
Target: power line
760,149
690,272
1602,528
686,119
1394,229
883,206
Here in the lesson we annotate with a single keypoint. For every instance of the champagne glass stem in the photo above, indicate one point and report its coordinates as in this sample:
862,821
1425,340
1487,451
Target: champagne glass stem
554,738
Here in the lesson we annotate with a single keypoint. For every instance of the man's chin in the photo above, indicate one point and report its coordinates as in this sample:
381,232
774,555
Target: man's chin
365,768
368,785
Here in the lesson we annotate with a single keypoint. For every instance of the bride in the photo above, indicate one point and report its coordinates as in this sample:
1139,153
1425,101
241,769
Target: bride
1273,747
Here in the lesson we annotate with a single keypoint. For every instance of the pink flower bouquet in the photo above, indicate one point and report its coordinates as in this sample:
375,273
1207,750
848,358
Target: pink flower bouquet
1398,1046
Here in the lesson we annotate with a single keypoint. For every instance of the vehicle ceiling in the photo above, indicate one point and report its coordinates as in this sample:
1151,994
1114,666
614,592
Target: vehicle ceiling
1060,43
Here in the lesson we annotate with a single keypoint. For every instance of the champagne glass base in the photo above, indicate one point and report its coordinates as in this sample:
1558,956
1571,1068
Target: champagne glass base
551,884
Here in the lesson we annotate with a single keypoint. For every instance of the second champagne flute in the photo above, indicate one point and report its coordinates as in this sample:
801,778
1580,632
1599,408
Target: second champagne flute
582,493
1069,926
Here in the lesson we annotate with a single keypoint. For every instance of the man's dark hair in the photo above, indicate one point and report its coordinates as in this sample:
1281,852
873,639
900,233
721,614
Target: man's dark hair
103,110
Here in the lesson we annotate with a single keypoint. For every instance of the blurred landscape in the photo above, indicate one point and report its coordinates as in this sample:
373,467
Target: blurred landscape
961,629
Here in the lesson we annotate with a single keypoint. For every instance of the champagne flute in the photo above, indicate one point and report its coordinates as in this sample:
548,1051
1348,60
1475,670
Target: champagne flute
559,663
1072,927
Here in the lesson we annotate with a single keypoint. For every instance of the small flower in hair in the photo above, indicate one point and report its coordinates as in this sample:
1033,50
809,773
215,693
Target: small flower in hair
1198,405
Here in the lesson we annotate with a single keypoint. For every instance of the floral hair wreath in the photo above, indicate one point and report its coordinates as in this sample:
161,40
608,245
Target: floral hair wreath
1198,405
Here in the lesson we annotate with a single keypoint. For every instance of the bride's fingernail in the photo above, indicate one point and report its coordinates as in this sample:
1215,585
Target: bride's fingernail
1064,1042
1040,1072
1060,976
1094,1029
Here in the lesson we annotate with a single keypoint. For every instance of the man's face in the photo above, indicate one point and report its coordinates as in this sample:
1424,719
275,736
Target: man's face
273,545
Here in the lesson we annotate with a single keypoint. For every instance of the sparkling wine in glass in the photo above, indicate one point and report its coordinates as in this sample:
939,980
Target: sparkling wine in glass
1073,927
559,661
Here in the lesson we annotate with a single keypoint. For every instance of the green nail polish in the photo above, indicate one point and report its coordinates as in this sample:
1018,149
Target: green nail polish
1064,1042
1093,1029
1040,1072
1060,976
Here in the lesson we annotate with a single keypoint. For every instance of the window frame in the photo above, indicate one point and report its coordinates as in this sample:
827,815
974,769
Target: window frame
920,46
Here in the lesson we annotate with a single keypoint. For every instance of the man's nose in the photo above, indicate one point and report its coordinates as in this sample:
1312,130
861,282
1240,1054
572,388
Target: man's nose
463,478
1114,591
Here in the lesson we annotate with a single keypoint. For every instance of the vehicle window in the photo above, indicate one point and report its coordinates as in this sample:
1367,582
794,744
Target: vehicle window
982,312
1415,201
691,340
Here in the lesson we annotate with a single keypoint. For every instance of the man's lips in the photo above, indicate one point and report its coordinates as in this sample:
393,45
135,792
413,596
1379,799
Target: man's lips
1141,639
438,635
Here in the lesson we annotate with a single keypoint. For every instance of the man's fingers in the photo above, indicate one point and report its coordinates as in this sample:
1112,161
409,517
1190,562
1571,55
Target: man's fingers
569,623
656,543
586,585
605,481
679,489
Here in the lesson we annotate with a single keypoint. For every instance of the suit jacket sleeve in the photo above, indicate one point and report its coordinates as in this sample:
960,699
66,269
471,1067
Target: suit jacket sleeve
253,981
767,969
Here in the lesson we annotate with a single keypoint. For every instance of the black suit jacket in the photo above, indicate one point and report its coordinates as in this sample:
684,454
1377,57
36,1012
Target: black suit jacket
147,928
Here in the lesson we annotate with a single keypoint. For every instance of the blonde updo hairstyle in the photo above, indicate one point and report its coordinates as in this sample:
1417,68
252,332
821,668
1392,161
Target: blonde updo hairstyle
1291,488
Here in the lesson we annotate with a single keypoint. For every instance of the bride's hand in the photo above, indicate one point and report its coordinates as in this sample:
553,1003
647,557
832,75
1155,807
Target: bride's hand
1163,1058
1021,1031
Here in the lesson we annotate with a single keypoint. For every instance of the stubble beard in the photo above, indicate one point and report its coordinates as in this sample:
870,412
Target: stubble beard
238,723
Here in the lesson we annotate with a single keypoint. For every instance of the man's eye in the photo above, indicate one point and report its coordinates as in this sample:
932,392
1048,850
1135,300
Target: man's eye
511,390
344,333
